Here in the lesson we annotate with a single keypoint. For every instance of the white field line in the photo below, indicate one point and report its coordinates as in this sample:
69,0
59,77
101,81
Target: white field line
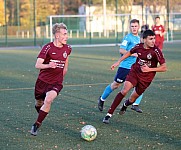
79,85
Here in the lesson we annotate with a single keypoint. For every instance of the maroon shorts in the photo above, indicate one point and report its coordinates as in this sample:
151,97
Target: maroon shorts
140,85
41,88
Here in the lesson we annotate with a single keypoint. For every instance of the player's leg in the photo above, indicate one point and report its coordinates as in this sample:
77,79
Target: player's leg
135,105
128,102
133,80
141,86
40,94
50,96
118,79
38,104
108,90
126,88
161,45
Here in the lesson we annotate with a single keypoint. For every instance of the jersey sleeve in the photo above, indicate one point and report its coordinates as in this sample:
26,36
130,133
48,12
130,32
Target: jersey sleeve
44,51
160,56
125,43
134,49
70,49
163,29
152,28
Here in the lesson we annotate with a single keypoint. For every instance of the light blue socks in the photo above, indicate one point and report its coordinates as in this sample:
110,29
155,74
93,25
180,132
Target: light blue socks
138,100
106,92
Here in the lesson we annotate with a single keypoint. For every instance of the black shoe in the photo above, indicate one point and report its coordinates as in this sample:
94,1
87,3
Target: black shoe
34,129
123,109
106,119
136,108
100,104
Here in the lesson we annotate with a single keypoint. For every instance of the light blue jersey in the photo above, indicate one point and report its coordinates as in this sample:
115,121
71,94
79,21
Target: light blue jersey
129,41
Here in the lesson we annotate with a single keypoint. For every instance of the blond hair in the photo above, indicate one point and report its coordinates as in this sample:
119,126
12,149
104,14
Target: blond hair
57,26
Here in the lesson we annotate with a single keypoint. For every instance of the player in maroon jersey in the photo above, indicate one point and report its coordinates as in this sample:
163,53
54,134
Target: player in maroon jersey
52,62
141,74
159,31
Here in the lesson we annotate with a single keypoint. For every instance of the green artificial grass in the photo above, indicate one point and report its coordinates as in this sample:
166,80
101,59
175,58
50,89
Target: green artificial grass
158,127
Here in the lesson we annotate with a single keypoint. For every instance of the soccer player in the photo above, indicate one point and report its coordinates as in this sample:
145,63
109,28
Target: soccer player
129,41
52,62
141,74
159,31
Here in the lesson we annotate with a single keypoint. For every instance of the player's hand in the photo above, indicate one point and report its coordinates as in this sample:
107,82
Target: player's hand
145,68
114,65
52,64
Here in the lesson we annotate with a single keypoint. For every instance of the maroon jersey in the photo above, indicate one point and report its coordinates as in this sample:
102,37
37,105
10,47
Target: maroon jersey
59,55
157,30
151,57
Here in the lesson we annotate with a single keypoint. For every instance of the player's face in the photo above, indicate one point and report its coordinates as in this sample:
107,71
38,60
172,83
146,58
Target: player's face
149,41
134,27
62,36
157,20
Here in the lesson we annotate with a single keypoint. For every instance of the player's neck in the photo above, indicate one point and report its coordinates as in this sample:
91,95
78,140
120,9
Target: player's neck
145,46
135,34
58,44
158,24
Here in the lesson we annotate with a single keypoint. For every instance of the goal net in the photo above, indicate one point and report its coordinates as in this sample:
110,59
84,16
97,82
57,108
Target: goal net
98,28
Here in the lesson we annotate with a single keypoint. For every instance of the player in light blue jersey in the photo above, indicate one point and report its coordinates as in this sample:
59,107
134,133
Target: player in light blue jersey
129,41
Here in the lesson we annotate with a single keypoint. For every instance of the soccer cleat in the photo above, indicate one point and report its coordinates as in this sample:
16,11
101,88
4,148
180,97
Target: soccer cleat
34,129
106,119
136,108
123,109
100,104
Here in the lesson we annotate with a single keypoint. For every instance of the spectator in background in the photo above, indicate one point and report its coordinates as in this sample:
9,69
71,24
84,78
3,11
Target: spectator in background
159,31
144,27
82,11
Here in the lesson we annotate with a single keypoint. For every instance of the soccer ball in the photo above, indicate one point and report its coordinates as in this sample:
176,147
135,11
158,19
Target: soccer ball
88,132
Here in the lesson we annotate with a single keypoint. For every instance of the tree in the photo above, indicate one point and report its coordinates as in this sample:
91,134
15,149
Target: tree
2,17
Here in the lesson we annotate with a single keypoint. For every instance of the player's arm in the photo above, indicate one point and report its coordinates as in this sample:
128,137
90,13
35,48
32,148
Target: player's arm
162,33
161,68
123,51
126,55
39,64
65,67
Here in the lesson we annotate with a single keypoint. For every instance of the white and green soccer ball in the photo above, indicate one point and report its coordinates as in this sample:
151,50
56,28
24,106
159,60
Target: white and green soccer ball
88,132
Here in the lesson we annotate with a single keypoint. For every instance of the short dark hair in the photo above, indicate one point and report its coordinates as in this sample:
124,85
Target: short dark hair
134,21
148,33
157,17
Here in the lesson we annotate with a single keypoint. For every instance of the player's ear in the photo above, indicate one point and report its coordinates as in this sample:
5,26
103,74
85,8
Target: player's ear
57,35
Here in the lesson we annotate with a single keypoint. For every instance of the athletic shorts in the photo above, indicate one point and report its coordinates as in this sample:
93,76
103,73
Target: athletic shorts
41,88
121,75
140,85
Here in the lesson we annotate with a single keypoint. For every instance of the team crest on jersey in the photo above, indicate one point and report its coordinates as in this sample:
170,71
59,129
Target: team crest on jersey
65,54
149,56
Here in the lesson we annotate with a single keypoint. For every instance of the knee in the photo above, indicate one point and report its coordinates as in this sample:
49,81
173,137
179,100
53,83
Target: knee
115,86
124,92
48,101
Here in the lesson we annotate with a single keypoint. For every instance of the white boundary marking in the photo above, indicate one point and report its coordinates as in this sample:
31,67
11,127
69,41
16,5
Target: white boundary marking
76,85
83,45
